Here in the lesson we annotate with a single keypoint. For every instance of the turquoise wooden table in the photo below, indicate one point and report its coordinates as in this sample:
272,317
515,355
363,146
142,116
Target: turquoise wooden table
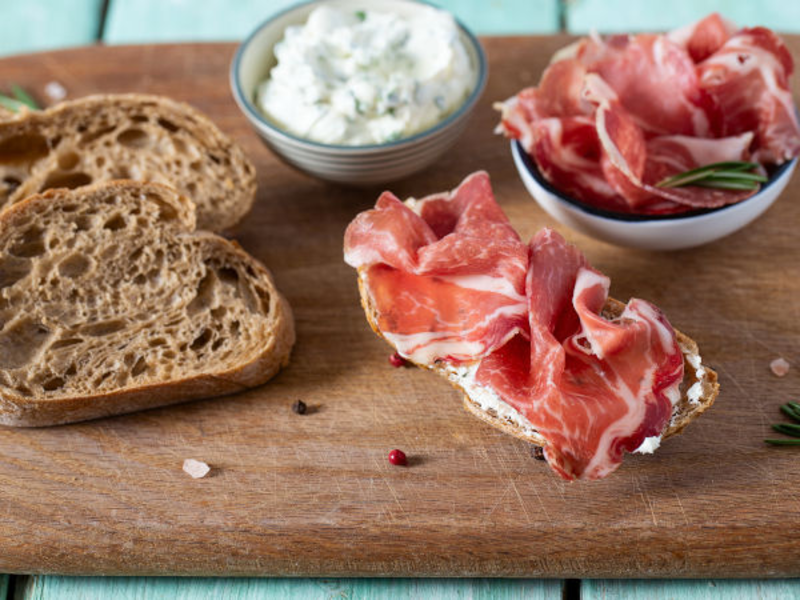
44,24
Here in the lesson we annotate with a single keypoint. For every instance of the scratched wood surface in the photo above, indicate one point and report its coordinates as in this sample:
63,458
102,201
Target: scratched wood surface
315,495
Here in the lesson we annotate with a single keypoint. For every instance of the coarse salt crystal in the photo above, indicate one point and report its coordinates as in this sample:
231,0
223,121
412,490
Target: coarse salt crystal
779,367
55,91
195,468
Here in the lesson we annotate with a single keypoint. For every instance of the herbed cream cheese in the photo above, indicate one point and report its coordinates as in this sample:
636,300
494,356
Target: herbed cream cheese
487,398
357,78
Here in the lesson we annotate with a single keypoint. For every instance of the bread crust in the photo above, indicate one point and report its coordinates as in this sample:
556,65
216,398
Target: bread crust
684,412
174,144
273,354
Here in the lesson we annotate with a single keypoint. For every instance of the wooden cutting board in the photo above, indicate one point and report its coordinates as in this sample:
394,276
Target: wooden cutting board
315,494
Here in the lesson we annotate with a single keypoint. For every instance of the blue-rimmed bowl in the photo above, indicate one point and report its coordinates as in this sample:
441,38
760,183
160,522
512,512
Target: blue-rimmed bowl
649,232
356,165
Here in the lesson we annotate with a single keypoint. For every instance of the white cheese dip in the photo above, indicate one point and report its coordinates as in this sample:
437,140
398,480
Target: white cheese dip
361,77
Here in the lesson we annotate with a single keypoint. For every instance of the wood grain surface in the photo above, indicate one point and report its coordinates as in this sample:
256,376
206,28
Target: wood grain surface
315,495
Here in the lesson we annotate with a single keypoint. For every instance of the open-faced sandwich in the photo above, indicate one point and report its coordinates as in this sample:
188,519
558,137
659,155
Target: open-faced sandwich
526,331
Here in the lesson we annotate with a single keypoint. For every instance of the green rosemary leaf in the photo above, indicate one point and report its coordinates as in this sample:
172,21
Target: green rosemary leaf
11,104
700,173
24,97
786,442
788,429
727,184
742,175
790,411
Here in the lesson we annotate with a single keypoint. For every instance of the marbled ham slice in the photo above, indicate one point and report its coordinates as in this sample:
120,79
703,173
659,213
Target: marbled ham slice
633,165
568,152
593,388
704,37
748,79
440,289
655,80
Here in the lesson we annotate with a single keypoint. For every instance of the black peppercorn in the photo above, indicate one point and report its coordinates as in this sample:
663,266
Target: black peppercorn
299,407
537,452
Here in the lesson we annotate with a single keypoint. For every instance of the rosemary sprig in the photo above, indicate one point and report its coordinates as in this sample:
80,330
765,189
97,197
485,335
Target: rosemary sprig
732,175
11,104
791,410
21,100
24,97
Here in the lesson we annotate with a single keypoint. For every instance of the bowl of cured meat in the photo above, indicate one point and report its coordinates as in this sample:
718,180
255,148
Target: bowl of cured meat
659,142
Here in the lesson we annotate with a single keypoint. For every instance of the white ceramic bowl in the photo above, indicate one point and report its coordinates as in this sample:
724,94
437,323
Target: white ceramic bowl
356,165
661,232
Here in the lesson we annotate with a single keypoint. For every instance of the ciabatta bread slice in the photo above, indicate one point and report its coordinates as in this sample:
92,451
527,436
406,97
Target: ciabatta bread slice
127,136
111,302
699,387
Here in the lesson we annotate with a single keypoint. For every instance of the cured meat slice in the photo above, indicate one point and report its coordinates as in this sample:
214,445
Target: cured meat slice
748,79
673,154
655,80
447,278
557,95
592,387
704,37
633,165
568,152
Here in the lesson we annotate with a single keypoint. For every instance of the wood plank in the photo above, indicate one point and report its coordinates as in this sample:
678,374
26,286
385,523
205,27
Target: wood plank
34,26
137,21
777,589
624,16
315,495
167,588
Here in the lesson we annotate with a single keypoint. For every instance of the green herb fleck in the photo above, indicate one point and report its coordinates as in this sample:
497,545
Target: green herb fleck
361,15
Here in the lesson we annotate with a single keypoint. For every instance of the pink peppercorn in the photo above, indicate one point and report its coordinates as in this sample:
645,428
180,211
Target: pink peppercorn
398,458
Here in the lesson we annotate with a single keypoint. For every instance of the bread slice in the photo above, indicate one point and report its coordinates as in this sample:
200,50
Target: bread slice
128,136
110,302
698,389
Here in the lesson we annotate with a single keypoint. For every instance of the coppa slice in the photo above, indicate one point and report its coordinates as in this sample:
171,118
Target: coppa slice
441,290
110,302
587,377
127,136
